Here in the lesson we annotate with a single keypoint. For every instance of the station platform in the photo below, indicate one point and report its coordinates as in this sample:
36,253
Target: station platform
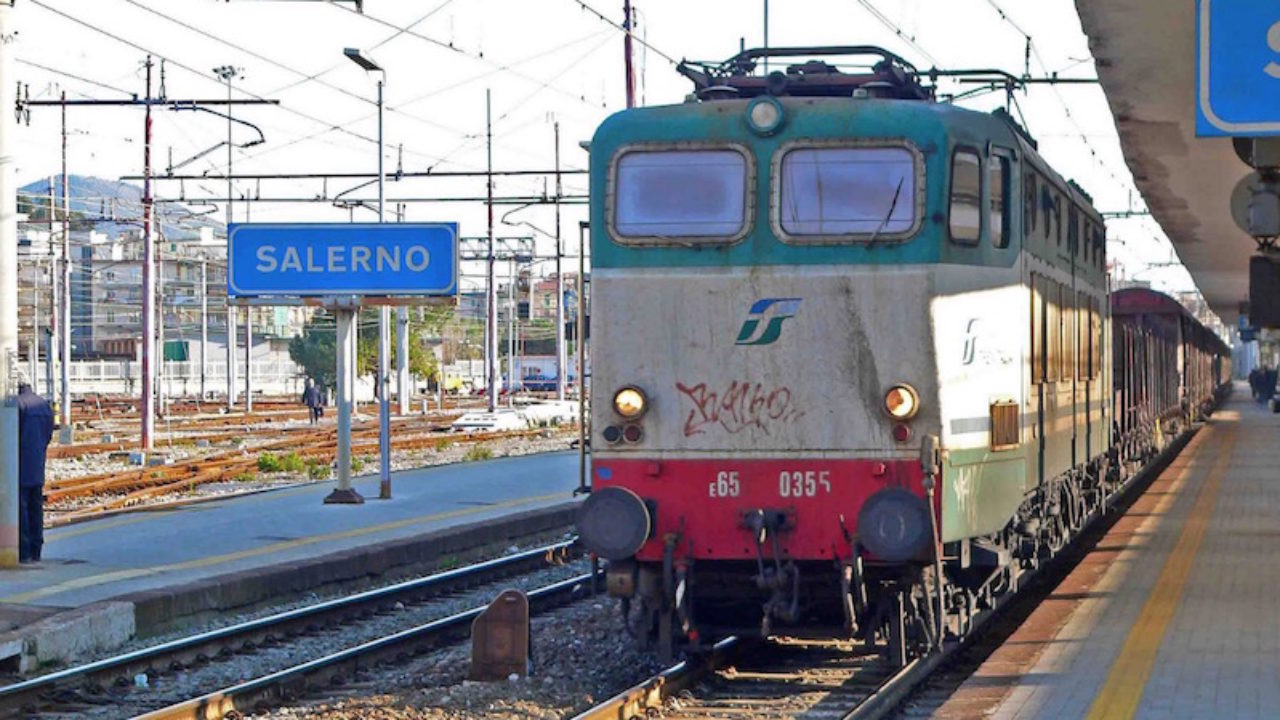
1173,613
141,569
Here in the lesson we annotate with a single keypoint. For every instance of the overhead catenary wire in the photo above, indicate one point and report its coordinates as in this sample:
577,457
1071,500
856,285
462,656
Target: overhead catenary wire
204,76
893,28
619,27
1034,52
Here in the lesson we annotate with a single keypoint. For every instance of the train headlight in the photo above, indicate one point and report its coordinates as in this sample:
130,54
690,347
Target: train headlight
894,525
902,402
630,402
764,115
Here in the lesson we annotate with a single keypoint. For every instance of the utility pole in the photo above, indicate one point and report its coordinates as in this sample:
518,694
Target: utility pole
204,322
384,338
491,293
631,77
561,369
226,72
162,407
51,353
64,402
8,305
148,285
511,327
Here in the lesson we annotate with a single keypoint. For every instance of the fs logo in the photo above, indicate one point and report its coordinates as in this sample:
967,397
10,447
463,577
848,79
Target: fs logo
764,322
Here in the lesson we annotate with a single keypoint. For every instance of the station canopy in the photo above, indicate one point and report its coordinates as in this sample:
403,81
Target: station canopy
1146,55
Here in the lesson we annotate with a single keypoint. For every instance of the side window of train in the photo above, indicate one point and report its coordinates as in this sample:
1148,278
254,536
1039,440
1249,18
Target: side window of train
1073,229
1046,209
1029,204
1096,367
1053,322
1068,317
1037,329
966,197
1082,333
998,211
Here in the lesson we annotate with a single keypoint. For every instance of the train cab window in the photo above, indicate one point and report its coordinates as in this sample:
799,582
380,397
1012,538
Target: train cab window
843,194
966,197
998,208
693,195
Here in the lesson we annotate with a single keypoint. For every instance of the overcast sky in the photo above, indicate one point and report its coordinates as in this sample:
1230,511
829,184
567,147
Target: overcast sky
544,60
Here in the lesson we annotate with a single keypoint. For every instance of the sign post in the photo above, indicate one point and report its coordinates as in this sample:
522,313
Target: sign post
343,267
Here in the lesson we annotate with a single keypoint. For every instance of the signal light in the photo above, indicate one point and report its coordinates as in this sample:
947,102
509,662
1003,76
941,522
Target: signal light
632,433
901,432
612,434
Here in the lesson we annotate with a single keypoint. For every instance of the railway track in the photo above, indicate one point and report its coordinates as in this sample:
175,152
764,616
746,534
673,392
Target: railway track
110,681
117,490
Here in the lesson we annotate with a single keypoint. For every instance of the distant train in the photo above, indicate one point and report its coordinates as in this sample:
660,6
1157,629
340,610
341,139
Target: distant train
852,365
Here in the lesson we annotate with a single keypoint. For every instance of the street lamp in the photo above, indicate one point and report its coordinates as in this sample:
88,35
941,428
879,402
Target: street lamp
384,313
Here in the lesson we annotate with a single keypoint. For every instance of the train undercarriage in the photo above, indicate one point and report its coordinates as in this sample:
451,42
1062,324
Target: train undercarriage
900,607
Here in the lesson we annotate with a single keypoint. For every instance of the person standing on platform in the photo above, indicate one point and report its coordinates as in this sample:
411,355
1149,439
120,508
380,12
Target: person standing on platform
311,398
35,430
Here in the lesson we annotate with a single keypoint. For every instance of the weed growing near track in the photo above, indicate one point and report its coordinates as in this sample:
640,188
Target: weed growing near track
478,452
317,470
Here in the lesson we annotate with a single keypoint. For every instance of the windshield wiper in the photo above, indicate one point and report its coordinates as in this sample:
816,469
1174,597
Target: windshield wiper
893,205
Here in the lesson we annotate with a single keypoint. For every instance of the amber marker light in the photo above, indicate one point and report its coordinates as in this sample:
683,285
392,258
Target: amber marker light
630,402
901,402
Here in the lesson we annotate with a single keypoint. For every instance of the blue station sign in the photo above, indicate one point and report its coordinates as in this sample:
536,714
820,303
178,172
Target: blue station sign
1237,67
329,259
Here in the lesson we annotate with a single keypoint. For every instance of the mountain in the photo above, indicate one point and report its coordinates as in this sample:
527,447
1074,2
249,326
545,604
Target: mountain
113,207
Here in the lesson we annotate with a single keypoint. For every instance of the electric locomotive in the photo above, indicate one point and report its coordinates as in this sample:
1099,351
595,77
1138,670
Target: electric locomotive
850,371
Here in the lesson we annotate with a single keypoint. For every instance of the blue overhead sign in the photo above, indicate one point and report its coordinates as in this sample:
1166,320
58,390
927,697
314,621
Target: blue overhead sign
330,259
1237,67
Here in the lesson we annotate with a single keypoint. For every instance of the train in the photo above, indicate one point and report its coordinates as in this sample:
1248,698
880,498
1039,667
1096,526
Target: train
857,365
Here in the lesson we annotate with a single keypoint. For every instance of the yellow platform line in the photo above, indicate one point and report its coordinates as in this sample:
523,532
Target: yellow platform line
1127,680
131,573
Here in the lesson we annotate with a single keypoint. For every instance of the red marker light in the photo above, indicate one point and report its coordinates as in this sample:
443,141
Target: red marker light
901,432
632,433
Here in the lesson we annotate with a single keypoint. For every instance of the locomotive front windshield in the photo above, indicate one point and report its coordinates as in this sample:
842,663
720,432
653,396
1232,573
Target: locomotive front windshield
847,191
680,194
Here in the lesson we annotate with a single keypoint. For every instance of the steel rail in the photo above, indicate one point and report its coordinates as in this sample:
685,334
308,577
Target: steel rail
250,695
16,698
651,694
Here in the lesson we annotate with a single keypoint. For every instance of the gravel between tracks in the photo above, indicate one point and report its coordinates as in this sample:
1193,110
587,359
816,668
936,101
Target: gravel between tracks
581,657
168,688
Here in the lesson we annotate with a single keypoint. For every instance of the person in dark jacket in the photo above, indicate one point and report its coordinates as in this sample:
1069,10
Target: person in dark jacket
311,398
35,430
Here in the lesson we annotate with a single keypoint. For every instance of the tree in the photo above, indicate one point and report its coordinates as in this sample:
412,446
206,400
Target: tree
316,350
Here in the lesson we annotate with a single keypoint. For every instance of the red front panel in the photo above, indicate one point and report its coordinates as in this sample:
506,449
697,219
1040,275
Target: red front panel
704,501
